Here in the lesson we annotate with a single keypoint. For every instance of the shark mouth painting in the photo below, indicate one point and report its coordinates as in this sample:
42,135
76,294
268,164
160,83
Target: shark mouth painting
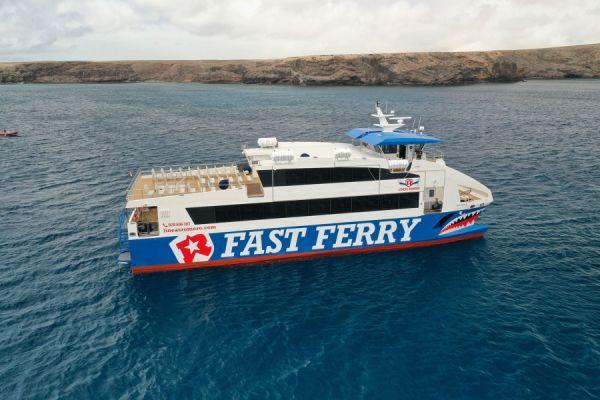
461,221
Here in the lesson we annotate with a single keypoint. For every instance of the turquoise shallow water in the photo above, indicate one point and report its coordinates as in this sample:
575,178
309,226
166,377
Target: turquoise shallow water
516,315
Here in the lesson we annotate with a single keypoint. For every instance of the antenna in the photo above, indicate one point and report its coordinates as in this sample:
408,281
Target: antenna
384,124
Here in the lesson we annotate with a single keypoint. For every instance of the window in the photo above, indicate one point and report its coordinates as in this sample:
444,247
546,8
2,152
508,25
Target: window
279,177
202,215
315,176
302,208
365,174
275,210
341,205
409,200
227,213
296,208
342,175
250,212
295,177
402,151
365,203
389,202
266,177
319,207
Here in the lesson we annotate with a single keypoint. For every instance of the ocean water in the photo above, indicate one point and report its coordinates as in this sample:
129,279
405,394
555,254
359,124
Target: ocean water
514,315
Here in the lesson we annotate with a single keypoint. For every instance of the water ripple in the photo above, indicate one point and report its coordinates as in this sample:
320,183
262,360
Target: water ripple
516,315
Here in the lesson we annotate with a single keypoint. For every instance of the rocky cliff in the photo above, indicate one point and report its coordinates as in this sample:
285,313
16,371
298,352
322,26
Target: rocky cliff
440,68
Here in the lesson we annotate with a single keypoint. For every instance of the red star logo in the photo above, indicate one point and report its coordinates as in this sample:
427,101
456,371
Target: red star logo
193,245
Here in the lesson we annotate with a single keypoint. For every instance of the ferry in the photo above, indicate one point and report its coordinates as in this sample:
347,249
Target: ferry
384,189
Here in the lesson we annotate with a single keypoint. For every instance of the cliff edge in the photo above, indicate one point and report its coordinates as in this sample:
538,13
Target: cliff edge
427,68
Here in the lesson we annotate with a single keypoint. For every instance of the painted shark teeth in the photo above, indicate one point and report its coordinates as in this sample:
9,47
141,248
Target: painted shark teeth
463,220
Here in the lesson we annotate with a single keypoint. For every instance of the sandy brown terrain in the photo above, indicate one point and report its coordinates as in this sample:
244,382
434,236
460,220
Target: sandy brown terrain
438,68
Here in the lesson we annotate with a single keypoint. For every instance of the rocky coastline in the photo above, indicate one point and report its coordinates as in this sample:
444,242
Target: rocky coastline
426,68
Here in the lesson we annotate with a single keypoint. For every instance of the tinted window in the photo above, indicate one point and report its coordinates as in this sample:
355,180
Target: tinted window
227,213
296,208
266,177
275,210
202,215
319,206
252,211
365,203
408,200
316,176
279,177
365,174
402,151
341,205
302,208
342,175
389,201
295,177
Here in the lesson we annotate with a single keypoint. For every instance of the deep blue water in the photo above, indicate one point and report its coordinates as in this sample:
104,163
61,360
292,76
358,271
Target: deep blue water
515,315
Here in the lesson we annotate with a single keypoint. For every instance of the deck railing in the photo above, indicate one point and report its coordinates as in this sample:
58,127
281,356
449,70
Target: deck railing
432,155
122,232
172,180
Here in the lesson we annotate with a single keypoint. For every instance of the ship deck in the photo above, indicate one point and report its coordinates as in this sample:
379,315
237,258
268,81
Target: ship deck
169,181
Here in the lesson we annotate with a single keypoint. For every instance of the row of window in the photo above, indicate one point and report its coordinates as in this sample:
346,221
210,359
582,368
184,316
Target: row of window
314,176
302,208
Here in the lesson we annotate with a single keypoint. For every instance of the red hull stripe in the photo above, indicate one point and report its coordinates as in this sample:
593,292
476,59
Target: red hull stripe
298,256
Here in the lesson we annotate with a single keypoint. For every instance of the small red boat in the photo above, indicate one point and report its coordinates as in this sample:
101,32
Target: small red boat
5,132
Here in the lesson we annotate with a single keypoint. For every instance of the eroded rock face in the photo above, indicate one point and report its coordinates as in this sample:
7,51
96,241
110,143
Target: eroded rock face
505,71
365,69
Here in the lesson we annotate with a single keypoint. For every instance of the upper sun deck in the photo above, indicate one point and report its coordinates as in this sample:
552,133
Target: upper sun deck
326,154
385,147
291,154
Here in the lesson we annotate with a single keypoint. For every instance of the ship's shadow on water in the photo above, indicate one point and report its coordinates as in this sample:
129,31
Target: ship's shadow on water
514,315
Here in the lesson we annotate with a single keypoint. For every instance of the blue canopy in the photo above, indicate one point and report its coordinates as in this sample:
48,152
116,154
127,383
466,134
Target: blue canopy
376,137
